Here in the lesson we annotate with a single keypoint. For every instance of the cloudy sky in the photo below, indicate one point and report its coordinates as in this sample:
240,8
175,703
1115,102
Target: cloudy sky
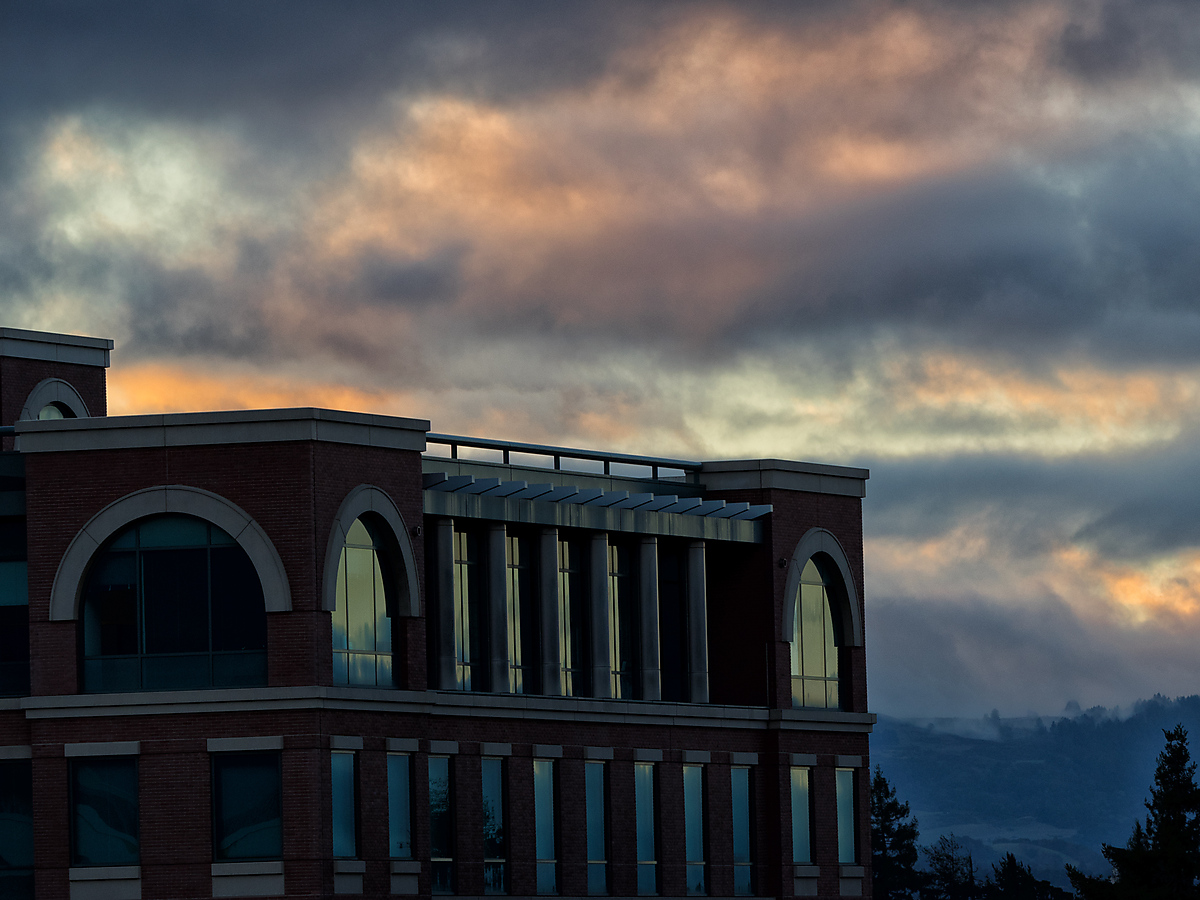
958,243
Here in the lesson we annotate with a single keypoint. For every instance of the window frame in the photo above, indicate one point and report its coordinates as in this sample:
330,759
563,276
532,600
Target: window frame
98,763
217,761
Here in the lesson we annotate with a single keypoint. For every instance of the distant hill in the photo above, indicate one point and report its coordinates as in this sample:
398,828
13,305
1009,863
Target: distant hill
1050,790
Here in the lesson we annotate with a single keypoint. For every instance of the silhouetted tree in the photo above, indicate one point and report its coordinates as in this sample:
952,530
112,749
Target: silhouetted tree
1012,880
1161,861
894,874
951,873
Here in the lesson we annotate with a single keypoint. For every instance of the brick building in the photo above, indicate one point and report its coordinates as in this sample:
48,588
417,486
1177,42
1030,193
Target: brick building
305,652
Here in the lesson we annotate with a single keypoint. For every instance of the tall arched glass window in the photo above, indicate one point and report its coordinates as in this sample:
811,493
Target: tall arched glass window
173,603
363,611
814,644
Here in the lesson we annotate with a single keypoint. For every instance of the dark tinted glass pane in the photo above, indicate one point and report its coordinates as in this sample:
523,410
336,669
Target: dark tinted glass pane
175,599
441,826
14,650
170,672
693,813
16,815
239,669
14,583
741,815
847,854
643,783
173,531
493,809
246,806
399,806
12,533
239,619
110,606
801,828
344,831
104,812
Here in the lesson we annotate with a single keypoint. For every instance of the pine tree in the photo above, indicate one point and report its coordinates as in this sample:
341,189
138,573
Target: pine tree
1012,880
1161,861
893,844
951,871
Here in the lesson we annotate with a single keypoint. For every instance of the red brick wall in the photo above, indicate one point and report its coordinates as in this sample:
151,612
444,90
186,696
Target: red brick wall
18,377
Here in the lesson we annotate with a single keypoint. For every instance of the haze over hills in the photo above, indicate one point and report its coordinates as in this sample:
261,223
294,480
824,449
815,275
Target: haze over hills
1049,789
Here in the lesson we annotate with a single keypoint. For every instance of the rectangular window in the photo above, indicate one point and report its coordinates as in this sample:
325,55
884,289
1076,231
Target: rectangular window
597,839
14,609
693,827
495,840
847,830
16,814
441,825
247,806
104,812
543,826
623,621
399,774
573,618
801,817
645,815
345,804
743,851
522,613
468,610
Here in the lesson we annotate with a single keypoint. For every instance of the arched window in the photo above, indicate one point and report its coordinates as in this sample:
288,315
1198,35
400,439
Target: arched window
364,607
55,410
172,603
814,644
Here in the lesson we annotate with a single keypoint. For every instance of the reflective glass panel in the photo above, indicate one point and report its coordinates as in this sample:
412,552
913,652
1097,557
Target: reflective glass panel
345,807
801,827
494,841
362,624
693,827
742,871
441,825
644,813
247,804
544,837
399,806
104,812
846,818
597,846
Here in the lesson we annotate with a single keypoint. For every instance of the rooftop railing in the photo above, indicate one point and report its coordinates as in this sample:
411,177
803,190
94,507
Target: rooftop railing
626,465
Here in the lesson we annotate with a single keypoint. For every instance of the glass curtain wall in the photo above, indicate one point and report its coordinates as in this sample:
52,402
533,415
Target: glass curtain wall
469,612
522,616
573,617
362,617
814,645
623,620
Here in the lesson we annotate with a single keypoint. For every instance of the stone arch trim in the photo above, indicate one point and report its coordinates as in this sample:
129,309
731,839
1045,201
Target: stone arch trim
53,390
364,499
66,594
826,551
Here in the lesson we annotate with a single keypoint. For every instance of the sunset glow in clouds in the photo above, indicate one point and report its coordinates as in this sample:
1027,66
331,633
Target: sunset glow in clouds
956,243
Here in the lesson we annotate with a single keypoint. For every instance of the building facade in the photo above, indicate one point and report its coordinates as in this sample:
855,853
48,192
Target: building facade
303,652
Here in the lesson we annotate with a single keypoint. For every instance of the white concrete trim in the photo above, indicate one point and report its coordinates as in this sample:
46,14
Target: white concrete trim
345,742
697,756
488,748
823,547
362,500
597,752
66,594
648,755
53,390
103,748
743,759
849,762
547,751
16,752
258,867
103,873
443,748
402,745
804,759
